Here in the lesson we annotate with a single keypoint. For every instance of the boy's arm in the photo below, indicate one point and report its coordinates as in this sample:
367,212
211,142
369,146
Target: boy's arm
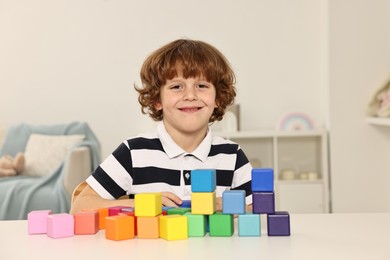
89,199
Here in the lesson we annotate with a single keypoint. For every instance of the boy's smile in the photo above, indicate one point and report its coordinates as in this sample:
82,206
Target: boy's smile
187,105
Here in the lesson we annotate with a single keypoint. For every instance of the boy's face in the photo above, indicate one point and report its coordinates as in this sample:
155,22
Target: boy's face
187,104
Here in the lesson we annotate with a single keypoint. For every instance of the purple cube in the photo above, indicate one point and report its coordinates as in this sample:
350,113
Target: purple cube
278,224
263,202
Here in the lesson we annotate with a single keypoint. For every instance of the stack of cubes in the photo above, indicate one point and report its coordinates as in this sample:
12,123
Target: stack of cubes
278,223
203,215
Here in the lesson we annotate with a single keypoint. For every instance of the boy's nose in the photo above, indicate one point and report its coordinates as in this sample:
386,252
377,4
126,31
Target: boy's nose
190,94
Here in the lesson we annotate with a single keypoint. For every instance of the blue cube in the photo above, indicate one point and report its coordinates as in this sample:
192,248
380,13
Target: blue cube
203,180
262,179
233,202
278,224
263,202
249,225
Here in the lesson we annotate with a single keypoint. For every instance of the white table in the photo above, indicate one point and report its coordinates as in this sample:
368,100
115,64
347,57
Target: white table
314,236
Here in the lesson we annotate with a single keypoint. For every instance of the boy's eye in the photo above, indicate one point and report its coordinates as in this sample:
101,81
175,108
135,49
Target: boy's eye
203,86
175,86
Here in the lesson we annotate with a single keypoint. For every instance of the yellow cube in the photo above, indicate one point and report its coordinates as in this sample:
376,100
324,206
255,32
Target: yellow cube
148,204
173,227
203,203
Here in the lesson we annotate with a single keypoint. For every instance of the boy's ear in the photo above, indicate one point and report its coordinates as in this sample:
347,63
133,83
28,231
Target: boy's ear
158,106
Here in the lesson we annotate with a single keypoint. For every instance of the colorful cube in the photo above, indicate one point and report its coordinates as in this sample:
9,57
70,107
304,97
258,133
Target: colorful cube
263,202
178,211
203,203
37,221
173,227
130,213
86,223
197,225
221,225
203,180
60,225
233,202
185,204
249,225
148,227
113,211
119,227
278,224
148,204
102,214
262,180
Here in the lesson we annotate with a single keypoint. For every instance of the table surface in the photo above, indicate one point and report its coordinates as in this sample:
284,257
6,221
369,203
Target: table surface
314,236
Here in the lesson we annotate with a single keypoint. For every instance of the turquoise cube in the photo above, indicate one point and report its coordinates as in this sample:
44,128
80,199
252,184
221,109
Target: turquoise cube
221,225
262,180
203,180
233,202
197,225
249,225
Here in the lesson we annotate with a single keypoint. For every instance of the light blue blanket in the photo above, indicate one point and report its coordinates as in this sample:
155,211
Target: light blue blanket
22,194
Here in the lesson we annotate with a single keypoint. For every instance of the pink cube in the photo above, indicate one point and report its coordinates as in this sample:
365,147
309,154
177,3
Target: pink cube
113,211
60,225
37,221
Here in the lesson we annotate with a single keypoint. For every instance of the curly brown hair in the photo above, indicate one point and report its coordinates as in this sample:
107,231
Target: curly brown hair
194,59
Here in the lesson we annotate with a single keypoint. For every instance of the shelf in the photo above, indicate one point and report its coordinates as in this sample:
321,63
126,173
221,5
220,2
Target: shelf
381,121
270,133
298,181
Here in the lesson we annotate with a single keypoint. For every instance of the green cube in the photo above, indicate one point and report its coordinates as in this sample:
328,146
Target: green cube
197,225
221,225
178,211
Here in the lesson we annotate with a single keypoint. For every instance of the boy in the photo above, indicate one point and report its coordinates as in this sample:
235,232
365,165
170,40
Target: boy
186,85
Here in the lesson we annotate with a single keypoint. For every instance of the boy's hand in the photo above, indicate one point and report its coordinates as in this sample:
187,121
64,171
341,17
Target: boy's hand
218,204
170,200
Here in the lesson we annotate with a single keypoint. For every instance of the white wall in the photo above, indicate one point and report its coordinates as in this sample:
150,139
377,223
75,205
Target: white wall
78,60
359,64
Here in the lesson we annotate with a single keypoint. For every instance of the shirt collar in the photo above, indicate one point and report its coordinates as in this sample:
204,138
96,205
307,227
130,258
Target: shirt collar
173,150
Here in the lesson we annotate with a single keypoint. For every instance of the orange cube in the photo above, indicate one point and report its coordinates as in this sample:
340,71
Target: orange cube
86,223
102,213
148,227
119,227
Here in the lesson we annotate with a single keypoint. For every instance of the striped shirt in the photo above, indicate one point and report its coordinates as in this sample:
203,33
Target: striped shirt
153,162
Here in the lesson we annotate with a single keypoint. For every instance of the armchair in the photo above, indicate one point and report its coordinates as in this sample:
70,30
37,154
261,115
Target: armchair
21,194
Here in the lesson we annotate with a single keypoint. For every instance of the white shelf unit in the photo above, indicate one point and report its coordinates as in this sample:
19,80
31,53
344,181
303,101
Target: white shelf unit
300,151
382,121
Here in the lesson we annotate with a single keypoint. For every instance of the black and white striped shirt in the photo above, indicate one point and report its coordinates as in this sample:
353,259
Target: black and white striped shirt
153,162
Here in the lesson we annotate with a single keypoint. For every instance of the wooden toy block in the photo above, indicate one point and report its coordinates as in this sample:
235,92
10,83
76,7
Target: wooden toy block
173,227
113,211
278,224
148,227
233,202
185,204
102,214
203,180
178,211
249,225
148,204
203,203
60,225
221,225
130,213
127,209
86,223
262,180
37,221
263,202
197,225
119,227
